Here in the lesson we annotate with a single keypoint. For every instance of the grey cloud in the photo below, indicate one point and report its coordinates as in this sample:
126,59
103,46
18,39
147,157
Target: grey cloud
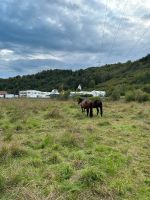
74,36
146,17
80,28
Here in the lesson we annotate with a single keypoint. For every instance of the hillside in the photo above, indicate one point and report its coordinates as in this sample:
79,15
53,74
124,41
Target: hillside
126,76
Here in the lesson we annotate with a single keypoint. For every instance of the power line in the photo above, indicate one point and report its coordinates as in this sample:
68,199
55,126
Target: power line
103,26
117,29
137,42
139,39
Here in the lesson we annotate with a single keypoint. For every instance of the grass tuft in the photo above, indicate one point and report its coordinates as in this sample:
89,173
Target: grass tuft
64,172
54,114
12,150
90,176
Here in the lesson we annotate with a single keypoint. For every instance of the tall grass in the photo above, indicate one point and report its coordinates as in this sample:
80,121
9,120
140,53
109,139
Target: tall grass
50,150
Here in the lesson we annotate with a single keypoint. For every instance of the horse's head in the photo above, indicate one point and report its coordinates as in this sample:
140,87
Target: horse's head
80,100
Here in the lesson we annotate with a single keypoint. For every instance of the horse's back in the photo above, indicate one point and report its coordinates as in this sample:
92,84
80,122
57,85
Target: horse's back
97,103
86,103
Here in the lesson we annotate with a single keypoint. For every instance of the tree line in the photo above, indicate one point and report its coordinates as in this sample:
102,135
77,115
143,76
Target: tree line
123,76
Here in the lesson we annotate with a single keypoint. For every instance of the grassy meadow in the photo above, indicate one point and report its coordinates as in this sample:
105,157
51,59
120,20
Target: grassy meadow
50,150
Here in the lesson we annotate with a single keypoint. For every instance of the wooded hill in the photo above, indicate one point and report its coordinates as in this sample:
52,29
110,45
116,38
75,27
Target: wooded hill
124,76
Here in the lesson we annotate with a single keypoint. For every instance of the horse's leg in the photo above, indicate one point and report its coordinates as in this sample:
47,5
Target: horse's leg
87,110
91,111
97,110
83,109
101,108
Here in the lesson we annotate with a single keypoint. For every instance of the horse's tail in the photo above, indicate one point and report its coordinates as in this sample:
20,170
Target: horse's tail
101,108
91,111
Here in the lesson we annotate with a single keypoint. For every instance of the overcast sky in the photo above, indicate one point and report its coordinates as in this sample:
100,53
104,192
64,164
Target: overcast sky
71,34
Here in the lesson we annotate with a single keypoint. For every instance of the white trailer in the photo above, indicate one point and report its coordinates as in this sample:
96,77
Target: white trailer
37,94
94,93
29,93
9,96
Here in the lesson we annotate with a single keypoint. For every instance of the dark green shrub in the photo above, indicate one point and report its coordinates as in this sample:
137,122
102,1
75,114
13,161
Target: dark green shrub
146,88
137,95
115,96
130,96
64,95
95,98
141,96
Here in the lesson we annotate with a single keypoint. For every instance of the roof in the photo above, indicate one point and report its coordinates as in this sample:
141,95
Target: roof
3,92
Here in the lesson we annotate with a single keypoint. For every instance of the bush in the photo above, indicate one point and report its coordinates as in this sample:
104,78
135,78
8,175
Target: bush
115,95
95,98
64,96
137,95
146,88
130,96
141,96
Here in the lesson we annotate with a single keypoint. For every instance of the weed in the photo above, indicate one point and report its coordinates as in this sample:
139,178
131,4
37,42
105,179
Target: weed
90,176
54,158
72,140
64,172
16,150
18,128
54,114
46,141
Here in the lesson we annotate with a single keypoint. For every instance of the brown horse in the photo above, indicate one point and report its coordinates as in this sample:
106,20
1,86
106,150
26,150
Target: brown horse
94,103
98,105
87,105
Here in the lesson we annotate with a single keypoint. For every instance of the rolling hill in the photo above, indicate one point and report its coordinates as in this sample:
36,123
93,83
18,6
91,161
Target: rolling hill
125,76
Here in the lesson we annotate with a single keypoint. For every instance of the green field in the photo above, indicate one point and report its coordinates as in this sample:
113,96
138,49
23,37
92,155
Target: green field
50,150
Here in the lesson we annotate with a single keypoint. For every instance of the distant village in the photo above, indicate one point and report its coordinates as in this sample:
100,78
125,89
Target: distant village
53,93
